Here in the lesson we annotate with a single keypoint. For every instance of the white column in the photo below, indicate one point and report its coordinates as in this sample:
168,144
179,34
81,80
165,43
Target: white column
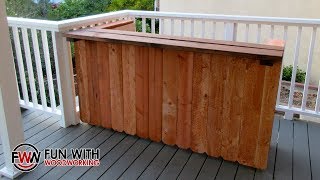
10,115
65,80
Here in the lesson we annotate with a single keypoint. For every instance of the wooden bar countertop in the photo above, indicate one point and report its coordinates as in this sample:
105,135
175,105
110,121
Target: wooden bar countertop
164,41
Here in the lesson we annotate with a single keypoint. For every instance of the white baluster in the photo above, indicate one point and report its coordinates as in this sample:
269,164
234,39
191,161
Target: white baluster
308,72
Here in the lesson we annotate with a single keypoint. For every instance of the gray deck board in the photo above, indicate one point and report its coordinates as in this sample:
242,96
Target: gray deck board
245,173
193,166
109,159
175,165
294,154
210,168
117,169
227,170
158,163
301,160
283,166
50,172
314,144
267,174
94,142
105,147
142,162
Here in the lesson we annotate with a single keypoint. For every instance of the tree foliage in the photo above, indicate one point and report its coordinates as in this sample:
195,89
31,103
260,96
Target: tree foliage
131,4
77,8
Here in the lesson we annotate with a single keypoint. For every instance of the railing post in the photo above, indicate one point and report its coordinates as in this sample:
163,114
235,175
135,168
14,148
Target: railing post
288,115
11,129
65,79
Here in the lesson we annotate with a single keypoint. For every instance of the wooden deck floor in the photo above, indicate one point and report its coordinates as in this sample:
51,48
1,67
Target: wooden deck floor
294,154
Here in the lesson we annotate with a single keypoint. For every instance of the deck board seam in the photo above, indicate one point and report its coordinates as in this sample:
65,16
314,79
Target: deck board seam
51,124
184,164
275,156
215,177
150,162
97,147
167,163
41,121
105,154
80,147
134,160
201,167
309,153
118,158
29,120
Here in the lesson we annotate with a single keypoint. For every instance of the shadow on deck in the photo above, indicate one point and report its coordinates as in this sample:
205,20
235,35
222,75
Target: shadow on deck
294,154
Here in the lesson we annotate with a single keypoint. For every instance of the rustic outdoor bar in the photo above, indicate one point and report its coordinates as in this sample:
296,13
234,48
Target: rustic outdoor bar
214,97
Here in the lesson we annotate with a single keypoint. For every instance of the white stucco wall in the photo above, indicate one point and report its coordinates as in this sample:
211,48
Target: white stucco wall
275,8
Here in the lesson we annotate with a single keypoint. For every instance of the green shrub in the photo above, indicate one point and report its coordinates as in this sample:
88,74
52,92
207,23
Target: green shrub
287,74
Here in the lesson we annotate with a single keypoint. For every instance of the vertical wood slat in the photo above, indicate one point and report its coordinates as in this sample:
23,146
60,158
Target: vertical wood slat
295,66
48,69
215,110
104,84
308,71
129,89
183,139
116,86
93,83
82,78
26,45
267,114
253,88
39,67
143,25
155,93
23,82
200,91
170,96
142,90
233,105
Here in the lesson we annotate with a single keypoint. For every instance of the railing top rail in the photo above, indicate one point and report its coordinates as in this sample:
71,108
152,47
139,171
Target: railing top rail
230,18
66,25
35,23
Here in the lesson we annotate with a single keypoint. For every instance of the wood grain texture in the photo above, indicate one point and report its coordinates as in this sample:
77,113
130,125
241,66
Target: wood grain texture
155,94
232,108
267,114
200,101
129,89
104,84
184,99
220,104
82,77
170,96
93,83
142,91
253,88
116,86
215,110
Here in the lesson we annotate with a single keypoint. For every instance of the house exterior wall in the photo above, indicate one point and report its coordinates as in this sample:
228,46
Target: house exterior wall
273,8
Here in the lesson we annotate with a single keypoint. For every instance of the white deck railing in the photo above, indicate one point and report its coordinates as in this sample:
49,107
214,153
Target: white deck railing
224,27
